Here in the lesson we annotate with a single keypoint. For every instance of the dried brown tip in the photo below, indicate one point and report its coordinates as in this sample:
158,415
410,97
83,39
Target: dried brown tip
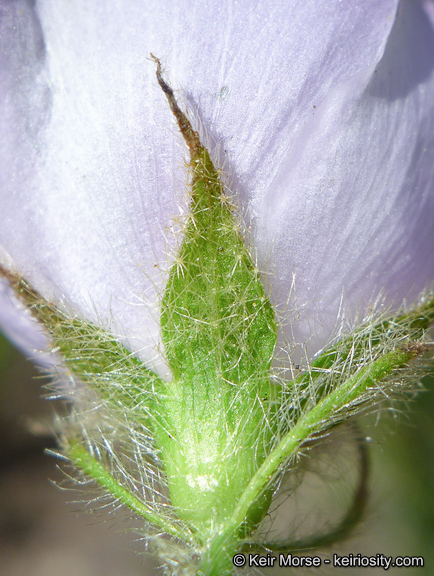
191,137
11,277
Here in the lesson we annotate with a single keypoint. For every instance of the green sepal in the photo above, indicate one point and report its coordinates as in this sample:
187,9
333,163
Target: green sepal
93,355
361,347
219,334
216,318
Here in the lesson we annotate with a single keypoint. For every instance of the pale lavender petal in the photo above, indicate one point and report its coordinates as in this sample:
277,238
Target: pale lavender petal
358,220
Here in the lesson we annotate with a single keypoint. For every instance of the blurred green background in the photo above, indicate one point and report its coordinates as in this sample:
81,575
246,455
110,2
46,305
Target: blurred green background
43,532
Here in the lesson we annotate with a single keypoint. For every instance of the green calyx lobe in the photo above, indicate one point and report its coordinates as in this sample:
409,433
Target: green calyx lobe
94,356
219,333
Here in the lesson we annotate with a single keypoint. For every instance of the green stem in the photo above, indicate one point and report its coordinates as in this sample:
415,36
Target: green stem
339,532
81,458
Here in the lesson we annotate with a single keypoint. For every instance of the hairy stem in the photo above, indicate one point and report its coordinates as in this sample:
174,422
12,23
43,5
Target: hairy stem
81,458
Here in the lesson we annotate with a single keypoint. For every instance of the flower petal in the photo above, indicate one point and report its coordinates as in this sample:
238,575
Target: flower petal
320,127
